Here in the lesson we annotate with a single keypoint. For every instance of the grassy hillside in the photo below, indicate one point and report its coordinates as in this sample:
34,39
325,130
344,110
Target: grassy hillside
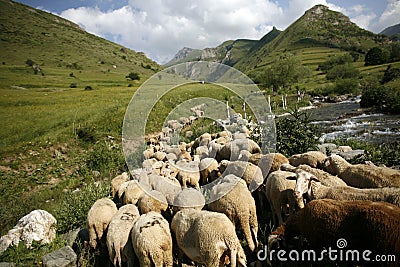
319,28
55,133
65,53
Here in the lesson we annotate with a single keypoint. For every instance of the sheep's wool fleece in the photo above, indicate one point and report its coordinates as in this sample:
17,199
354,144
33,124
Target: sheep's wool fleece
39,225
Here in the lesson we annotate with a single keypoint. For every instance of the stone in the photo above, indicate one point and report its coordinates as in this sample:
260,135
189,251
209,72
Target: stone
64,257
38,225
7,264
327,147
349,155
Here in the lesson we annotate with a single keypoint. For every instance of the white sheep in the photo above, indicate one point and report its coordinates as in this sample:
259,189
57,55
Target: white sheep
188,198
152,201
362,175
279,191
324,177
99,216
152,240
268,162
117,181
209,170
314,159
309,185
249,172
168,186
132,192
232,198
189,173
231,150
119,243
205,237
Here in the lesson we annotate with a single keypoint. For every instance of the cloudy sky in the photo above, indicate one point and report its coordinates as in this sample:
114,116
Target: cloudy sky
161,27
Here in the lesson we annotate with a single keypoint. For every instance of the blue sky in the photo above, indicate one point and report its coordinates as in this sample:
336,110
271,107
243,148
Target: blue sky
161,27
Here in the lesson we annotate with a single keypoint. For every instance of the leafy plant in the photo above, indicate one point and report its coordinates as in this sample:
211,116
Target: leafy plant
133,76
74,207
295,134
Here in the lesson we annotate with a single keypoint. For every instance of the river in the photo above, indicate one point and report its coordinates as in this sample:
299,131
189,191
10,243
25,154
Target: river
347,120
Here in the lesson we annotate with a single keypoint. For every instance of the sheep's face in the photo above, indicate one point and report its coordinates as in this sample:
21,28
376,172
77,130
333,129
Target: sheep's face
303,183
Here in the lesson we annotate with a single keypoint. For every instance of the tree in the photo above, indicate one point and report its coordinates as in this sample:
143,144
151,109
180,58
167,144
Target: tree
390,74
335,61
345,71
133,76
376,56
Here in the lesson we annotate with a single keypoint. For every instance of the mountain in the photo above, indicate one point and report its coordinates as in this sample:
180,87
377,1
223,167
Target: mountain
318,27
229,52
56,44
392,31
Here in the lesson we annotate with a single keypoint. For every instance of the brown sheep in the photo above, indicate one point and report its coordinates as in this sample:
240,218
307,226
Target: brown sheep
365,225
362,175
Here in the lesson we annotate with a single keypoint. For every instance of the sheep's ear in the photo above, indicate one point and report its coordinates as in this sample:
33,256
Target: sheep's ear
314,178
291,177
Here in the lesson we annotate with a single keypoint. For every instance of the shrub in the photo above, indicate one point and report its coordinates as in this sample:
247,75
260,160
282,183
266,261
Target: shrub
73,210
29,62
73,85
376,56
88,88
133,76
295,134
335,61
390,74
345,71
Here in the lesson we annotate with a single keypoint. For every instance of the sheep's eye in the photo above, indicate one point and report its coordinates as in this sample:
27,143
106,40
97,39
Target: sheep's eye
305,181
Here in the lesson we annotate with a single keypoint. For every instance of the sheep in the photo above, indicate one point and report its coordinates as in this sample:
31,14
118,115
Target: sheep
232,198
249,172
325,177
269,162
207,237
188,198
360,175
231,150
117,181
169,187
280,193
363,224
189,173
152,240
153,201
209,170
118,240
314,159
309,185
132,192
99,216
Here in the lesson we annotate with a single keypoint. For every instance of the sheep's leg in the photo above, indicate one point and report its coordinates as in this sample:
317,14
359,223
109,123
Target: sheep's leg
233,257
92,236
245,225
274,218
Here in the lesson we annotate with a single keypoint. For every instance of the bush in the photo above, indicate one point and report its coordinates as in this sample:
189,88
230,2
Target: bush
29,62
390,74
347,86
73,85
346,71
133,76
384,98
377,56
295,134
73,210
335,61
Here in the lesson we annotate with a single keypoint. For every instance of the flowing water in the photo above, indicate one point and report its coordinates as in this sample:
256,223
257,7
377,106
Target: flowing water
347,120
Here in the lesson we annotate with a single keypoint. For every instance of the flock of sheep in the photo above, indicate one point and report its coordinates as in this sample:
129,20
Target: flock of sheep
200,203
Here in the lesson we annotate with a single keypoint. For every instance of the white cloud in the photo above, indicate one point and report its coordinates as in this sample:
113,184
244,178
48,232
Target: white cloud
390,16
161,27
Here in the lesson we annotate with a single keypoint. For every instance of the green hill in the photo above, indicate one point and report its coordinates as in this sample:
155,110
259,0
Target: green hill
60,48
318,28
